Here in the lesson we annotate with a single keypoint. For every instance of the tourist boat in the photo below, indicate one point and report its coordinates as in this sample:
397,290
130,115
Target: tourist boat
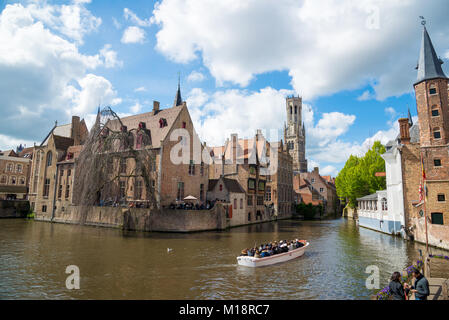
277,258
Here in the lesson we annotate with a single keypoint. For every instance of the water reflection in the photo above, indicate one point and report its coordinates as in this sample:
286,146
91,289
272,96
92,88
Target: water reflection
129,265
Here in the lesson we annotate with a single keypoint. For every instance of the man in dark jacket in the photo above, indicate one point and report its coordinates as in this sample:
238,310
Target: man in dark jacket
421,286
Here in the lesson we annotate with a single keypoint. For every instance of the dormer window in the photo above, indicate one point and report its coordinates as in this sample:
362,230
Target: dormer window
162,122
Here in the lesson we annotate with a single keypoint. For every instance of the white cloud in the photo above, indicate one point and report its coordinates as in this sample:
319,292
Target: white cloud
110,57
140,89
73,21
131,16
366,95
195,76
43,76
136,108
117,24
8,142
133,35
326,46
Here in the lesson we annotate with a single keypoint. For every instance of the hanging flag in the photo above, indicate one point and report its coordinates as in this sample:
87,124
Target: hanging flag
423,170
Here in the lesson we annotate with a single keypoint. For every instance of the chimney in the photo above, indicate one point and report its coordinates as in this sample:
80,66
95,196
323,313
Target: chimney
234,147
156,106
76,134
404,128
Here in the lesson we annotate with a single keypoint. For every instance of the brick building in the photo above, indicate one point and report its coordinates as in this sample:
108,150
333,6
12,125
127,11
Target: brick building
265,177
279,188
51,178
14,175
426,146
320,185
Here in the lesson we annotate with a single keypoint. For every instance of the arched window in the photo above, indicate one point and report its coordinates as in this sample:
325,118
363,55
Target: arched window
3,180
22,181
19,168
13,180
9,167
49,158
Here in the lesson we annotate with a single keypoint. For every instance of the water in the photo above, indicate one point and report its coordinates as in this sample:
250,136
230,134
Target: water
115,264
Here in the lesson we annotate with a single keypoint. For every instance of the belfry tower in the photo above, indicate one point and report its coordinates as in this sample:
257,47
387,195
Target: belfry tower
295,134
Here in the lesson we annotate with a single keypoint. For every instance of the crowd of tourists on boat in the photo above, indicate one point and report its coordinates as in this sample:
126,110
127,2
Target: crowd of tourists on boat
273,248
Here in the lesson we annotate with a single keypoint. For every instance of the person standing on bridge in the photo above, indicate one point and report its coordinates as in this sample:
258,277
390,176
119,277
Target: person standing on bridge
421,286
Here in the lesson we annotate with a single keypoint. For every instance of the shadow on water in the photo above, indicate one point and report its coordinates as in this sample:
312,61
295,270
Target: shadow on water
116,264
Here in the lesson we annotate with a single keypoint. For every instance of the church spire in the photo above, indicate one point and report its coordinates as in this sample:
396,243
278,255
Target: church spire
410,120
429,65
178,99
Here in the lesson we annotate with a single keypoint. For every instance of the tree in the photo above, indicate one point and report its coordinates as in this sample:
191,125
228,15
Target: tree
357,178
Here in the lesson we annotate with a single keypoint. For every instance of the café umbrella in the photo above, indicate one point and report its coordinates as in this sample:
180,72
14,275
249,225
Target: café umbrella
190,198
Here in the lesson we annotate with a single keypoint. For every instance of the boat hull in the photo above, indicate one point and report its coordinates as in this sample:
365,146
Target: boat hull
278,258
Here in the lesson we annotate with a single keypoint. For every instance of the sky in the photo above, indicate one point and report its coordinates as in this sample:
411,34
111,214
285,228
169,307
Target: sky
353,62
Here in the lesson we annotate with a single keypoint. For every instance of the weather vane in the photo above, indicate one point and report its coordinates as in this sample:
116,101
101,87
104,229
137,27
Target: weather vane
423,20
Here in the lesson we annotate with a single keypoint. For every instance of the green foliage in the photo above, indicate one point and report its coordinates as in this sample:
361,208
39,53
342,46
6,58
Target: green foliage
308,211
357,178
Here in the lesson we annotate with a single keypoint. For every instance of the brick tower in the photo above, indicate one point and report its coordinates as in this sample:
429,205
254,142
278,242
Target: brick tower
295,134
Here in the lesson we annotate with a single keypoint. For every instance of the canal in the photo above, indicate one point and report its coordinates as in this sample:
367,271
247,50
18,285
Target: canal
115,264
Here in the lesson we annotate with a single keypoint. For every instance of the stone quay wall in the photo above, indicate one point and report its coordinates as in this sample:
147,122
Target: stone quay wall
14,208
143,219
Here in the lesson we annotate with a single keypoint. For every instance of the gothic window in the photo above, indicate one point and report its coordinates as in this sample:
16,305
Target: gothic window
138,189
60,191
191,168
201,192
437,133
49,158
122,185
46,187
180,194
291,110
122,165
296,109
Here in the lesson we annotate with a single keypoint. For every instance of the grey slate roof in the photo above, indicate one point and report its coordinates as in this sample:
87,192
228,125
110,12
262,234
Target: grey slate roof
429,65
230,184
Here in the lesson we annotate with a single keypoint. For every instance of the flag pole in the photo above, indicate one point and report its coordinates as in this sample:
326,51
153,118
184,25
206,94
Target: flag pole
425,199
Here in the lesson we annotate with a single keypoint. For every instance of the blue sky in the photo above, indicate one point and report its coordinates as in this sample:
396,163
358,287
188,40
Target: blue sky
352,63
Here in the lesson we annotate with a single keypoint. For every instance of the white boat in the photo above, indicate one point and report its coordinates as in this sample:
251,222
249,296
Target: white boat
267,261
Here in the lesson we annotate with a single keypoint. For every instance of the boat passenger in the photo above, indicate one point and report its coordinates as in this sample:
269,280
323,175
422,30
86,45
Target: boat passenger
251,252
264,254
244,252
257,254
